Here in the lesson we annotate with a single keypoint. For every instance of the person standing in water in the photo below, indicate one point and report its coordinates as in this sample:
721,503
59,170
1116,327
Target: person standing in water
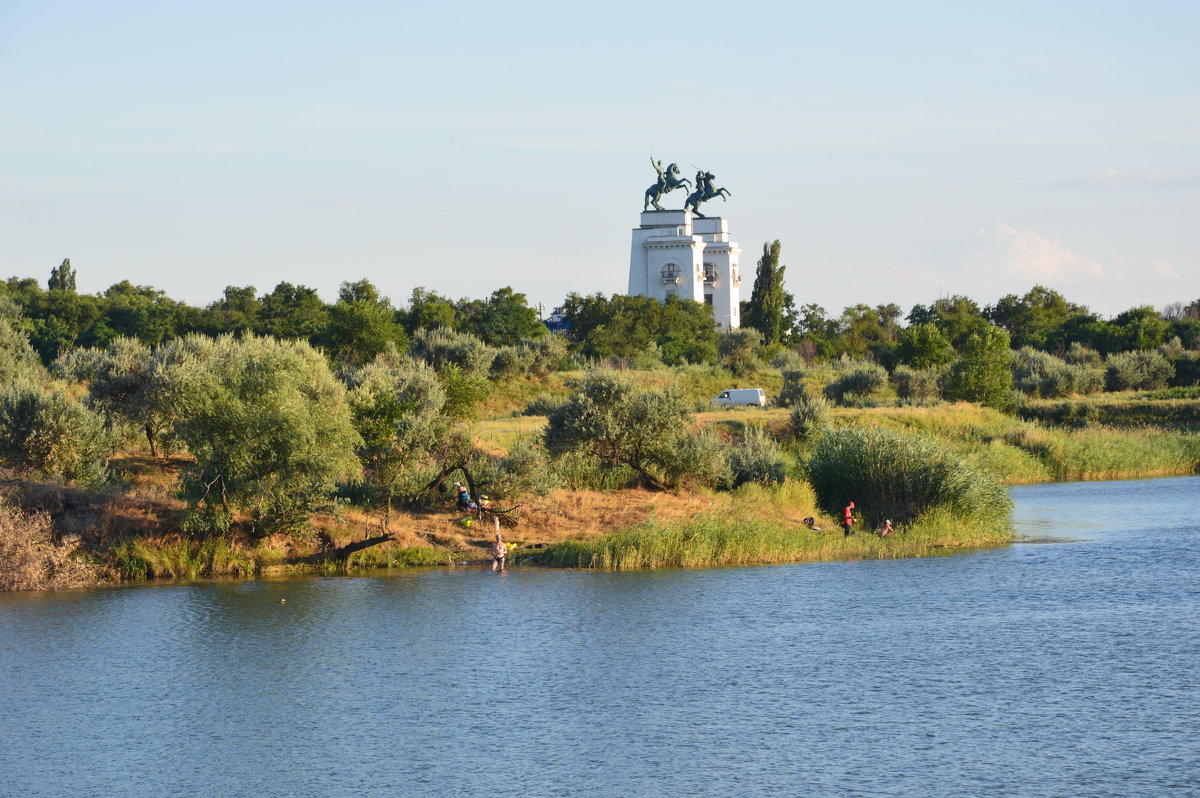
499,553
848,520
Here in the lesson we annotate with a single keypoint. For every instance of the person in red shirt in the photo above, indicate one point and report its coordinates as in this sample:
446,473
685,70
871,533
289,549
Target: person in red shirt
848,520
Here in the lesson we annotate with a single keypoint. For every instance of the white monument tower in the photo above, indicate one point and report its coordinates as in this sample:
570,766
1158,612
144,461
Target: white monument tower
688,255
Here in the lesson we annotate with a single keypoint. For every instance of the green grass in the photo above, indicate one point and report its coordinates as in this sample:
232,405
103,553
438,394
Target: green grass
720,541
181,558
184,558
1104,453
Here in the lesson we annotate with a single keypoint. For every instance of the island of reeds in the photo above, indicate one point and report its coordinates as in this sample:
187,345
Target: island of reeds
142,438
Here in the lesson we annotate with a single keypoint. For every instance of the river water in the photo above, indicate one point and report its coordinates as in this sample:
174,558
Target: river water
1054,669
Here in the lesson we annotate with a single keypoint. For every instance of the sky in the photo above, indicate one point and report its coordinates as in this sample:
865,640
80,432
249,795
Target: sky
899,152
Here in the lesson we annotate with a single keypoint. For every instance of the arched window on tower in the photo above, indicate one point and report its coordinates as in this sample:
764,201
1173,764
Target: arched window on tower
710,274
670,273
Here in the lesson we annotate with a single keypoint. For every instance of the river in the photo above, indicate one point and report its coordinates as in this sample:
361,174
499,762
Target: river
1052,669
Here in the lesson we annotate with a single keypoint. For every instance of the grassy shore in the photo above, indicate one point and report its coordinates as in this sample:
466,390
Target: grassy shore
720,541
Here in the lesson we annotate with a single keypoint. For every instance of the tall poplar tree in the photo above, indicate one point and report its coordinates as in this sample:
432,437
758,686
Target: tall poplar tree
764,312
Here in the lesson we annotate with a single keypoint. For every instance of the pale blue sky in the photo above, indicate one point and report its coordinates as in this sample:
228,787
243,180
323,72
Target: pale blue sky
899,151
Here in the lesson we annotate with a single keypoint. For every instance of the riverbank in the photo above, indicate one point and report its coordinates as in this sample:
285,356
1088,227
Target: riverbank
54,536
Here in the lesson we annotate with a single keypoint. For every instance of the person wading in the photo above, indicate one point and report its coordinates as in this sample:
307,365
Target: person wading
499,553
848,520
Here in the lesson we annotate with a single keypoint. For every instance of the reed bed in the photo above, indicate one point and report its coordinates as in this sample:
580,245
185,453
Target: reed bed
712,541
1106,453
184,558
181,558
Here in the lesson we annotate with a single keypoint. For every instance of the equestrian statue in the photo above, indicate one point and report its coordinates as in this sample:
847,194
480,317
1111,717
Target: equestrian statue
704,192
668,181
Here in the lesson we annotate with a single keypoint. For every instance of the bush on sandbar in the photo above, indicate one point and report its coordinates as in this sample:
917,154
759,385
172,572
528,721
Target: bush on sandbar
896,475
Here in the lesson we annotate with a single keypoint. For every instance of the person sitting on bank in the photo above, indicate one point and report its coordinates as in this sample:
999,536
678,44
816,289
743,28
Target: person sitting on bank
499,553
464,496
848,520
811,523
886,529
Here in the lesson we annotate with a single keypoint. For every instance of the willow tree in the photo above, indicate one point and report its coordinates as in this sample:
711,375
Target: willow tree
269,428
397,411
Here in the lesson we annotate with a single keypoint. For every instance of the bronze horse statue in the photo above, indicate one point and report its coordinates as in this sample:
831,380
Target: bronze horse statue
704,192
668,181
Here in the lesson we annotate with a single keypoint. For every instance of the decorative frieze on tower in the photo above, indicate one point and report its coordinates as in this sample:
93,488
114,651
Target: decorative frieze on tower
674,253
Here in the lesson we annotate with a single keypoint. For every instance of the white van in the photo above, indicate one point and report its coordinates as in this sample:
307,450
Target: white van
741,397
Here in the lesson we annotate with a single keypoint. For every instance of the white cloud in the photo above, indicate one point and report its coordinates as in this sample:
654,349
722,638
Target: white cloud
1164,268
1025,254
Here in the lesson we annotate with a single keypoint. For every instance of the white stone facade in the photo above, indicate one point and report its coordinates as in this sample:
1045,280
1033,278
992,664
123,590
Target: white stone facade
674,253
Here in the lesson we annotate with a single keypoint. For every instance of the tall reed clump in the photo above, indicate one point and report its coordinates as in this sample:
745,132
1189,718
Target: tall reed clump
901,476
32,558
181,558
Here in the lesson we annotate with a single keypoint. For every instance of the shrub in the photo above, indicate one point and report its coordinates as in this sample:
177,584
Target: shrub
701,458
32,558
793,387
50,435
896,475
464,392
609,418
918,384
441,347
738,350
857,384
788,360
18,361
756,458
809,418
1141,370
544,405
525,470
1038,373
1080,355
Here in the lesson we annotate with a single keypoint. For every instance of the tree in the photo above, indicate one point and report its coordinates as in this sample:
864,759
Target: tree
361,325
816,330
291,311
503,318
50,435
235,312
135,311
270,430
397,411
766,307
1029,319
608,418
429,310
62,278
923,346
956,316
982,373
1139,328
126,384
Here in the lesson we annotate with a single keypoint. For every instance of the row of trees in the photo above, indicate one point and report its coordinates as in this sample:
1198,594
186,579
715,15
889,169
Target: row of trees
354,329
361,323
